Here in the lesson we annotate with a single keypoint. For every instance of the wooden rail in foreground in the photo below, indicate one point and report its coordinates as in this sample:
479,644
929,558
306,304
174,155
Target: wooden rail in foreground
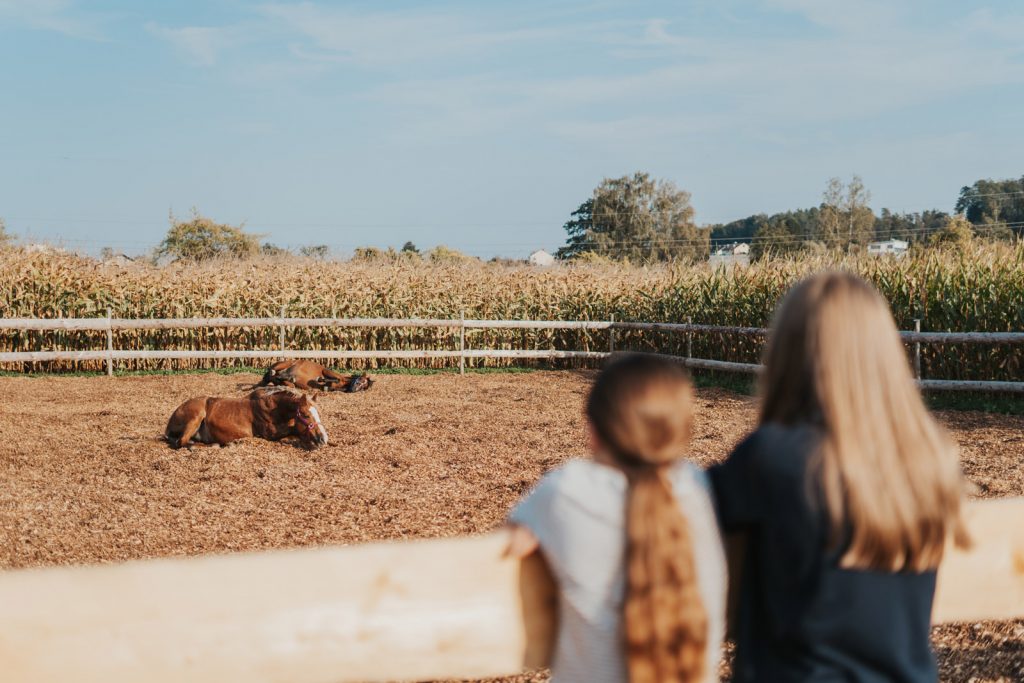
111,355
450,608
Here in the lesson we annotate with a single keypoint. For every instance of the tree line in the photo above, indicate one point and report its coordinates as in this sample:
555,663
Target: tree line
640,219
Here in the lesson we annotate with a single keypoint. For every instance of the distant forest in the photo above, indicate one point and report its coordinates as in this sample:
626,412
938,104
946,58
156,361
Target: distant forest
995,209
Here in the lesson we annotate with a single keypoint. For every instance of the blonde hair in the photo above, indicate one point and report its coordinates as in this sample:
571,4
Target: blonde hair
641,408
889,474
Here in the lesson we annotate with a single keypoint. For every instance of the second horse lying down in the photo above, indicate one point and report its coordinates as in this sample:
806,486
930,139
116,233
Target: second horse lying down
271,413
305,374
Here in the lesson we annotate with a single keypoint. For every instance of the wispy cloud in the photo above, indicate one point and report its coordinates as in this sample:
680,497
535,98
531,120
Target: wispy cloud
842,15
652,76
393,38
198,45
60,16
985,23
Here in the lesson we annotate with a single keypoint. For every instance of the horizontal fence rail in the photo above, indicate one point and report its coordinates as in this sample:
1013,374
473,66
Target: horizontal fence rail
414,610
103,324
110,355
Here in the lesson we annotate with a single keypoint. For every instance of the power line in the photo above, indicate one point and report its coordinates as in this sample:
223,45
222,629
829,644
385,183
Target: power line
996,194
682,241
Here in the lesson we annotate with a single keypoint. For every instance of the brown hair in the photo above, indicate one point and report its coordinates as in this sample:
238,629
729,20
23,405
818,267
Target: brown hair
641,408
889,475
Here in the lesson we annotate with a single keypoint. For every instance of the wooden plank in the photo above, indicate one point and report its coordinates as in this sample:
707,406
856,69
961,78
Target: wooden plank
452,608
373,612
964,337
970,385
541,324
690,327
986,582
192,323
8,357
21,356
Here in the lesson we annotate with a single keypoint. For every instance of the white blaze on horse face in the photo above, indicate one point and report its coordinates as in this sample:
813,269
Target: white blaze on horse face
316,417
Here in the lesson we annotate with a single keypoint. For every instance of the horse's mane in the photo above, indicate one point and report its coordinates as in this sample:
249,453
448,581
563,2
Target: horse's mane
269,391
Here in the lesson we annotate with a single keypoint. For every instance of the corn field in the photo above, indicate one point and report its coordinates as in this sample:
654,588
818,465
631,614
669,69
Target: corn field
981,290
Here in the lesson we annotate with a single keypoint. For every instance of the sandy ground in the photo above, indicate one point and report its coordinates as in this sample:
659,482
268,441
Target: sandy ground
84,478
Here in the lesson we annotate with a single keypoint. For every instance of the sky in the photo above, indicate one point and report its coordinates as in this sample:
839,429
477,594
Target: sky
482,125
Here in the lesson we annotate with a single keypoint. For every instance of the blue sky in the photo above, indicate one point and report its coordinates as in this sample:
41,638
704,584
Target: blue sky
481,125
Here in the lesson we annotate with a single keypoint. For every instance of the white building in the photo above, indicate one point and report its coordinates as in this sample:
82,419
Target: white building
894,247
737,253
541,258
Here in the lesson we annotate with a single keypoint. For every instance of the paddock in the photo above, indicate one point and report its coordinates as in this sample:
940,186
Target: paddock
86,480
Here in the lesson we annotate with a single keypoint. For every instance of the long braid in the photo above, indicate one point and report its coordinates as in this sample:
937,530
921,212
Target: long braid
641,408
666,625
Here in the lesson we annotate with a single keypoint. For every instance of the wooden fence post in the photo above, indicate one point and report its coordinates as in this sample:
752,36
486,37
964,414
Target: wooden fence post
611,336
689,339
917,350
281,343
462,343
110,346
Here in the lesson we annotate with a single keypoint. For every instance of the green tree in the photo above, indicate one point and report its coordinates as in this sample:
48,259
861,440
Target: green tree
578,227
777,236
910,227
268,249
315,251
443,254
369,254
740,230
844,218
779,233
6,238
200,238
957,234
636,218
410,248
994,204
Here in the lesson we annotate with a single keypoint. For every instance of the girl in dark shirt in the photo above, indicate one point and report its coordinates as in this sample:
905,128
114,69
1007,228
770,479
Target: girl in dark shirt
843,498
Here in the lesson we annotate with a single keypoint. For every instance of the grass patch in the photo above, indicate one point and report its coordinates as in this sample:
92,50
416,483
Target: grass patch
240,370
988,402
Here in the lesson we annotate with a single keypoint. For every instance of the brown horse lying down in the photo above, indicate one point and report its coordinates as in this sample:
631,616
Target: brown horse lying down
305,374
272,413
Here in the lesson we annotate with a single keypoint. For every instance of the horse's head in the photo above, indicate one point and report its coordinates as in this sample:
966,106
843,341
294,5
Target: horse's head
359,383
307,421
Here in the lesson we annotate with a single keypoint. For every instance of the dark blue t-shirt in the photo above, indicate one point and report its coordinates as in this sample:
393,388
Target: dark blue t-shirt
801,616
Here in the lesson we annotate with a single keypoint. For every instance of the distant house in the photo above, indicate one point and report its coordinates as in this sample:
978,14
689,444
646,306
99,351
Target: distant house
894,247
541,258
735,254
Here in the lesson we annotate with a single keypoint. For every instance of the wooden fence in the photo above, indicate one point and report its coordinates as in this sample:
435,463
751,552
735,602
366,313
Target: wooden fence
449,608
111,354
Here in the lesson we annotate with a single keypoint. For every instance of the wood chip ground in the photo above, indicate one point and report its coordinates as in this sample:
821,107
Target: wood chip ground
84,477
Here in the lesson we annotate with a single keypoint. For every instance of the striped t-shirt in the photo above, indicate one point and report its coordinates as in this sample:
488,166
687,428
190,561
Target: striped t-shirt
578,514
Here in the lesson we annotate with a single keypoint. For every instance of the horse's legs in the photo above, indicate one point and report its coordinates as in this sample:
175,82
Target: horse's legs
191,428
332,381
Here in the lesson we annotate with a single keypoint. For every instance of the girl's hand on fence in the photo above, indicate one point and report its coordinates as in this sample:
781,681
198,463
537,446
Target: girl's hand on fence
521,542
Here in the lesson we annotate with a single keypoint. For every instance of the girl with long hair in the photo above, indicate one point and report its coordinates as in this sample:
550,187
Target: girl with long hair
630,537
843,498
